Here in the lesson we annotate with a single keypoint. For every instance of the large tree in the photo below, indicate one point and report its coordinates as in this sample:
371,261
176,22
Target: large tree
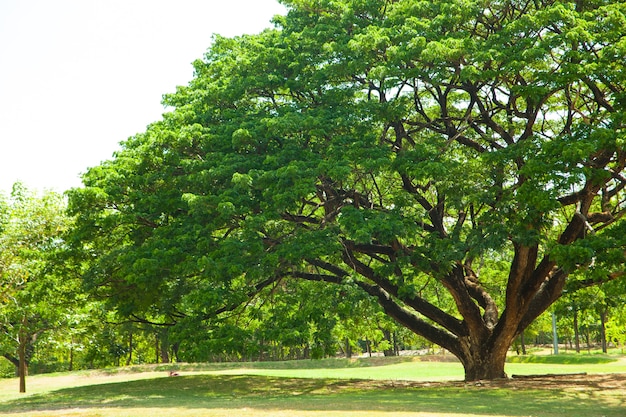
393,146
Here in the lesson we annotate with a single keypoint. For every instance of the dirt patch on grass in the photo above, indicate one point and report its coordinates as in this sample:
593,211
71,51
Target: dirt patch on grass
579,382
600,382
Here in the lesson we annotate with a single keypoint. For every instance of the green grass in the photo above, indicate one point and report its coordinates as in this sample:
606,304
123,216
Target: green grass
308,388
565,363
564,359
241,394
411,370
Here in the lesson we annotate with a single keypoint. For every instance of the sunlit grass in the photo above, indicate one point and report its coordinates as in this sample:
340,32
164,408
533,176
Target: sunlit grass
306,388
565,359
214,394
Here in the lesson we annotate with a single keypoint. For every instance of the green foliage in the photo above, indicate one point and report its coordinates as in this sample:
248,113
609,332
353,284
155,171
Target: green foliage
30,239
35,296
394,147
7,369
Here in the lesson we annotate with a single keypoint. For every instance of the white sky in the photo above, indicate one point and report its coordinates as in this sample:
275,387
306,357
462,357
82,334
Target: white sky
77,77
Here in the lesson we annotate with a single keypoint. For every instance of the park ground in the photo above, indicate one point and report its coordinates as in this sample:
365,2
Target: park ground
382,387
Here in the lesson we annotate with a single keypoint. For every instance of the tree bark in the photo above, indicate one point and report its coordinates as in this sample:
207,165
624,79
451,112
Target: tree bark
348,348
390,351
576,331
165,356
483,365
484,359
129,360
71,365
175,348
21,354
603,317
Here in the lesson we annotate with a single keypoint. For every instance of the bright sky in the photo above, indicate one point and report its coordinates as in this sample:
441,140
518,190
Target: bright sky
77,77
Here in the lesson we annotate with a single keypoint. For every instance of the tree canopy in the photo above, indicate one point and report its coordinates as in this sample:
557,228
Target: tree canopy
460,161
33,298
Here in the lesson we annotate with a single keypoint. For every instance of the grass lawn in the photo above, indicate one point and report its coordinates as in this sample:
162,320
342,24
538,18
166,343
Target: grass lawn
379,387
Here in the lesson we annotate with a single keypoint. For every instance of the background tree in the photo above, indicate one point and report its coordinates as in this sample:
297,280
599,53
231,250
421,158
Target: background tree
392,146
33,298
616,327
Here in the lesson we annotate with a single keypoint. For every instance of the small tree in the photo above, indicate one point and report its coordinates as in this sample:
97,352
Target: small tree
31,296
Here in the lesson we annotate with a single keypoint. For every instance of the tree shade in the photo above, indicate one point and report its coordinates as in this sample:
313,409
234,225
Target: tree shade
403,148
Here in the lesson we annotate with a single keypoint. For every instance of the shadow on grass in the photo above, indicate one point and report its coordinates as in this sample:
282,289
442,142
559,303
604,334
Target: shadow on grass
267,393
327,363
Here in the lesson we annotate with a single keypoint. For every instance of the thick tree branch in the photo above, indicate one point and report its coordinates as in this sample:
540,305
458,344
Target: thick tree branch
483,298
549,291
411,321
417,303
455,283
15,361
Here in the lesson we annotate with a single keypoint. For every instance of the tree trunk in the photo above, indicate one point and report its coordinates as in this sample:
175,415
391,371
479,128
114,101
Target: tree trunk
165,346
484,367
576,332
22,369
390,351
175,348
71,365
348,348
396,346
21,354
523,343
129,360
603,317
